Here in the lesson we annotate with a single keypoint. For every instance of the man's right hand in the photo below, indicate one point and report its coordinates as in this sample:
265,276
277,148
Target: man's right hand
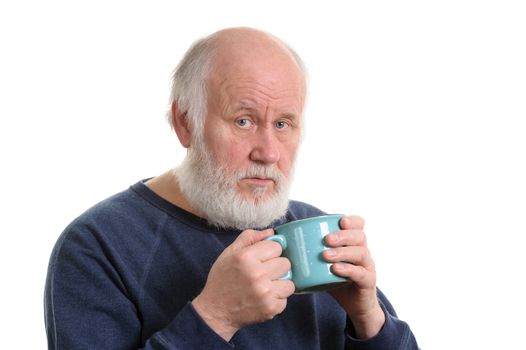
244,285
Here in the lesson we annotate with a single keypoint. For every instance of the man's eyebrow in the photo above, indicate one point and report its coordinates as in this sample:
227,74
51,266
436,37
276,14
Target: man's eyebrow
244,105
252,107
291,116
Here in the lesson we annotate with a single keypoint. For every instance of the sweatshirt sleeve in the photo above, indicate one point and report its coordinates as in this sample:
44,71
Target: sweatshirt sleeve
187,331
394,335
87,305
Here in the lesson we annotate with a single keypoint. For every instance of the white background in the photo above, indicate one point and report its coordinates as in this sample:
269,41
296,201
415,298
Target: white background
415,122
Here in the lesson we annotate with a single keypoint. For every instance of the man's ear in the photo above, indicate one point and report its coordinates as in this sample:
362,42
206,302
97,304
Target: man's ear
181,125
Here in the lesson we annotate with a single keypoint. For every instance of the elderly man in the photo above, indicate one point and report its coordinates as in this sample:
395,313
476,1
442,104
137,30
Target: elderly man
180,261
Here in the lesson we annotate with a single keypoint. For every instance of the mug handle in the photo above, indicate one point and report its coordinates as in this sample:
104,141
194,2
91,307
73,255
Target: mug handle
283,242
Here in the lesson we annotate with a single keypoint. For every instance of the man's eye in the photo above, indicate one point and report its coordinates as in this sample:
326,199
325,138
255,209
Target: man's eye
282,125
244,123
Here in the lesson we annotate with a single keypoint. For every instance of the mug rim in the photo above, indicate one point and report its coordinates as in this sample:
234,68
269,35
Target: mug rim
312,218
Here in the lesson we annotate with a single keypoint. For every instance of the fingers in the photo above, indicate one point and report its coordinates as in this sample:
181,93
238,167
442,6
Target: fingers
351,232
264,250
349,253
352,222
364,278
277,268
283,288
348,237
348,246
357,255
250,237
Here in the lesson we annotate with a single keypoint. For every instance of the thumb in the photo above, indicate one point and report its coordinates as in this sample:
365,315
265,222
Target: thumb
249,237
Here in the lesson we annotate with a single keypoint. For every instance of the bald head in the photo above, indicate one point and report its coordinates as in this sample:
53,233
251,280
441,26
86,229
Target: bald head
241,45
221,54
244,49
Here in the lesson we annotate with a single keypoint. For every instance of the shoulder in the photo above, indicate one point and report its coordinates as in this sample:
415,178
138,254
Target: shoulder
300,210
115,223
113,238
109,214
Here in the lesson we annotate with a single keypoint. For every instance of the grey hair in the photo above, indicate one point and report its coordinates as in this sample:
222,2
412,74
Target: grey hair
189,81
189,84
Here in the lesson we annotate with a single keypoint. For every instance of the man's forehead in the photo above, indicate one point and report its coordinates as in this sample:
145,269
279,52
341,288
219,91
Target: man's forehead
263,72
249,92
253,100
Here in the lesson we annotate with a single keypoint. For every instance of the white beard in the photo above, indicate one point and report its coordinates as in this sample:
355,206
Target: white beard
211,189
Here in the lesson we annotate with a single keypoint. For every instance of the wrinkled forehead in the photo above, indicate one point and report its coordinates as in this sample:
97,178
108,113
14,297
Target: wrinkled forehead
268,77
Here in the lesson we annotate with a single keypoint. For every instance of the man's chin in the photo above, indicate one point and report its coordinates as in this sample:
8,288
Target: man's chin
257,196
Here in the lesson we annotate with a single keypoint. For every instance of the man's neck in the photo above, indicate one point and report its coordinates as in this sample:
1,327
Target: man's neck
167,187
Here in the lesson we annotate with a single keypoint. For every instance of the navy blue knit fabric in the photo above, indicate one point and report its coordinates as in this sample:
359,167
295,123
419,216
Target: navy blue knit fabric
122,276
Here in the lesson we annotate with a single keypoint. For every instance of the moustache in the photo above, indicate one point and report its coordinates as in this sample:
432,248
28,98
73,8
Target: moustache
261,171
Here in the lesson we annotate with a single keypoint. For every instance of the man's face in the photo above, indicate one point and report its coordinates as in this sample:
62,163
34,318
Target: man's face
254,118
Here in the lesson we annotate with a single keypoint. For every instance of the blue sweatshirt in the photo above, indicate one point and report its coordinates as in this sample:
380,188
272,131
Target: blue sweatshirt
122,275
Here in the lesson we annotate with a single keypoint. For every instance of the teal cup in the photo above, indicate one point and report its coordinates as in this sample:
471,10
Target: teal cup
303,242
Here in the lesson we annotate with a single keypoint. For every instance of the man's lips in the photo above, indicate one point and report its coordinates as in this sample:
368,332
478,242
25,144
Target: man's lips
258,181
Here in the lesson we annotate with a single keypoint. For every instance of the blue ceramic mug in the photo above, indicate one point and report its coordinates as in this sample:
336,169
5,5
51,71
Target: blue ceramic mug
303,243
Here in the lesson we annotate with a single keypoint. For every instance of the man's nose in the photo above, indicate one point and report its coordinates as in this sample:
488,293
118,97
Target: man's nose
265,148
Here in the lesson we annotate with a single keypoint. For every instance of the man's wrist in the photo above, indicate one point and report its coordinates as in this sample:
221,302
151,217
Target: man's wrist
368,325
217,324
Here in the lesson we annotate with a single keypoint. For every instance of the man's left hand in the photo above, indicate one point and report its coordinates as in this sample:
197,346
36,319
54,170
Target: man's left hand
352,260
